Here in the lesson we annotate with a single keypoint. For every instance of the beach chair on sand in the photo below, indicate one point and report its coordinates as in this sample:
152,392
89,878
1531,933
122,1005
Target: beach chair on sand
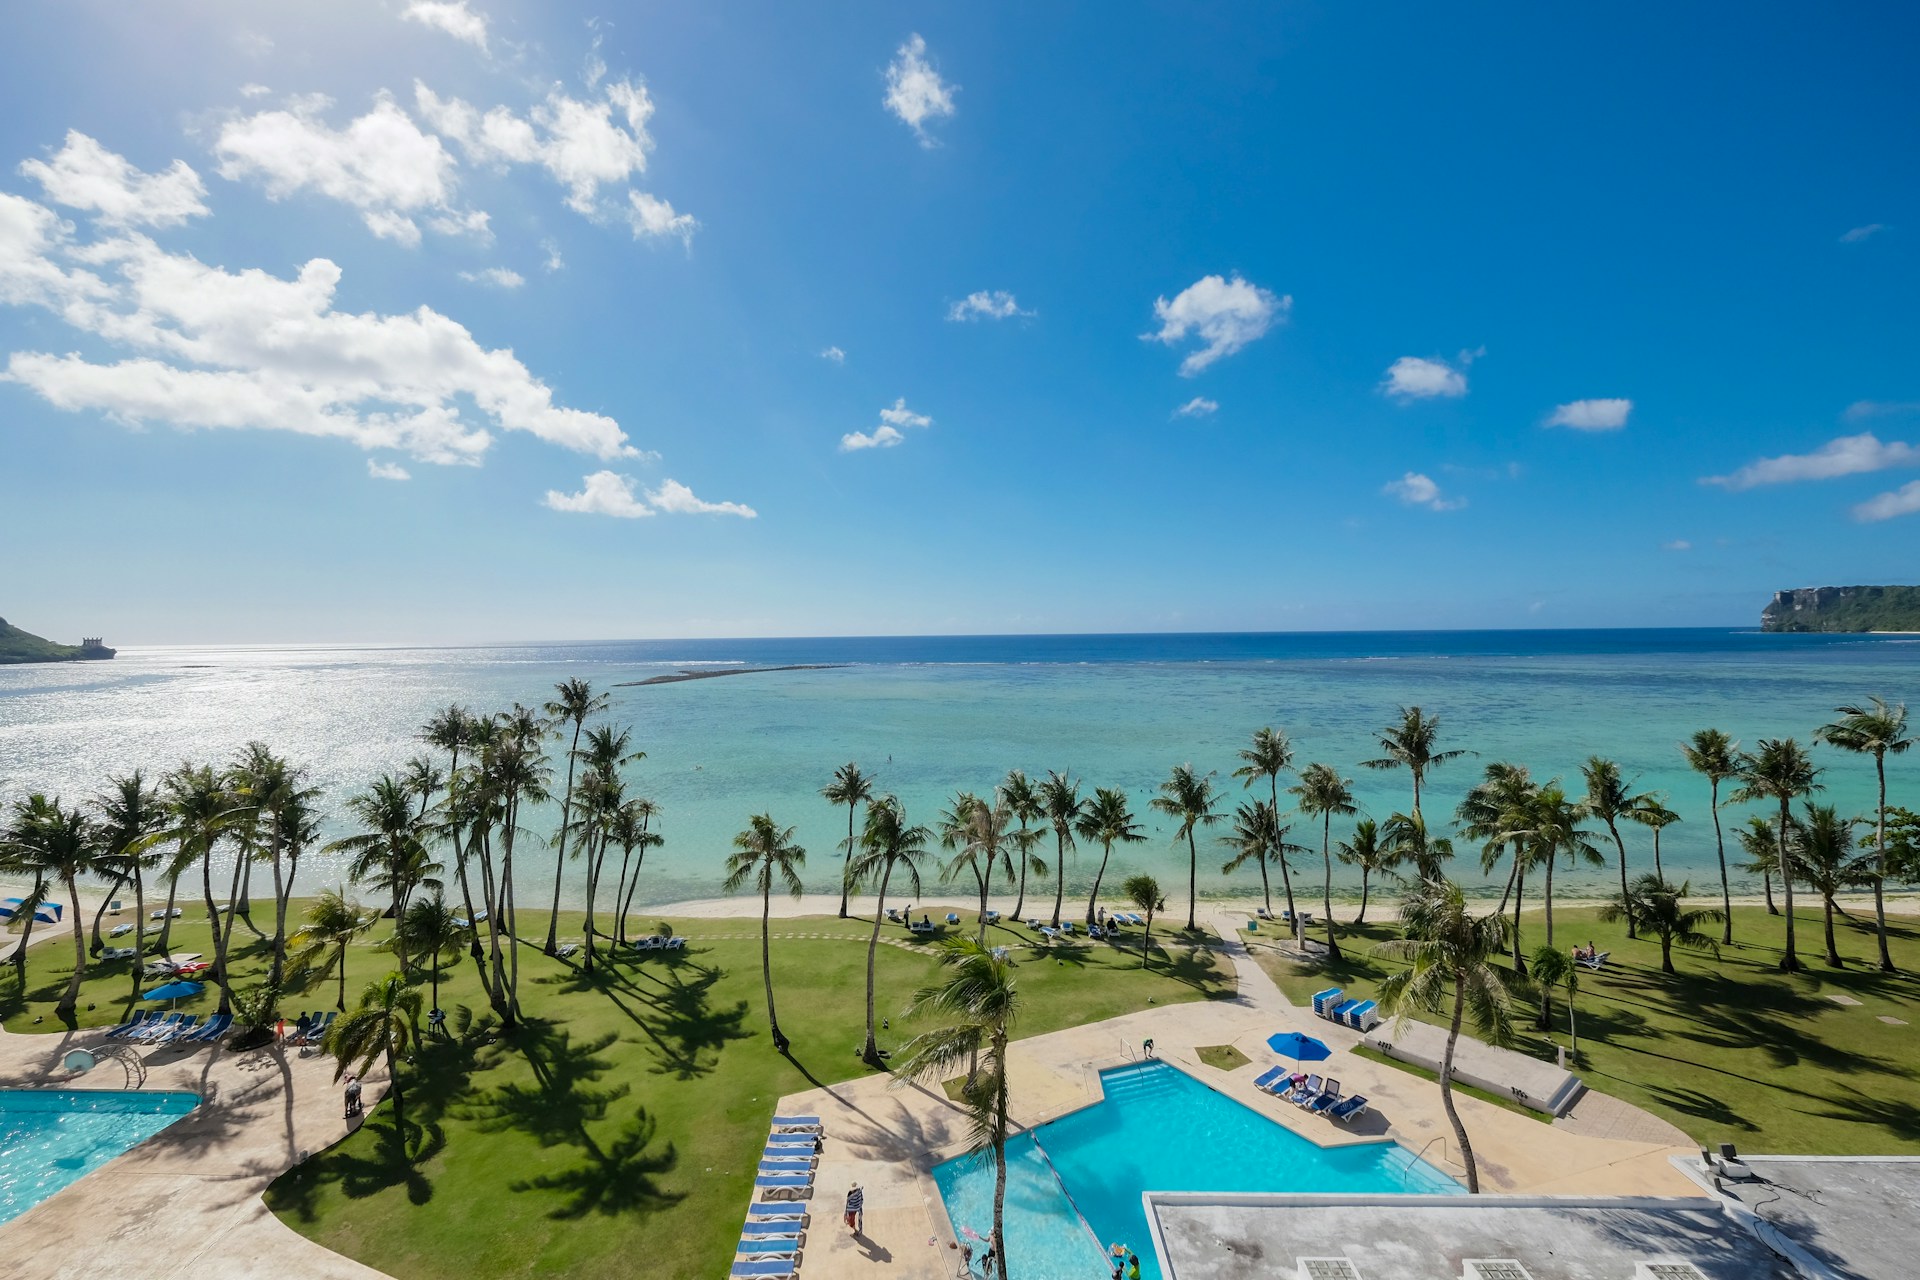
802,1141
787,1160
1347,1110
317,1030
175,1032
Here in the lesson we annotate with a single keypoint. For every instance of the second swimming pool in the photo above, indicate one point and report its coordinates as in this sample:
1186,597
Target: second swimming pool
1157,1129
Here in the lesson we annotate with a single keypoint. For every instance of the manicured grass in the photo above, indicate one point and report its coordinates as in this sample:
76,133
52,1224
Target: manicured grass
618,1128
1222,1057
1414,1069
1729,1049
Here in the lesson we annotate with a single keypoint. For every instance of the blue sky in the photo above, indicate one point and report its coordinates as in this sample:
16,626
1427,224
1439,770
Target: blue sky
1498,316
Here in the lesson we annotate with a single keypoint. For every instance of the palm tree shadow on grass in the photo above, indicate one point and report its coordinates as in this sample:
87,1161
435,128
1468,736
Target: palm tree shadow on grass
670,1005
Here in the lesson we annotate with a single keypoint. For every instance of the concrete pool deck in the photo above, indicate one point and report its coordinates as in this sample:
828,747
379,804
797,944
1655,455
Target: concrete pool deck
888,1137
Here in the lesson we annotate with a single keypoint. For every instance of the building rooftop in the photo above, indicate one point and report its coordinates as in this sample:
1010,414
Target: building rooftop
1222,1237
1849,1216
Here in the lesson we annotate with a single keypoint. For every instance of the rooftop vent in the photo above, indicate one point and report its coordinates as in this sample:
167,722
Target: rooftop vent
1327,1269
1669,1270
1494,1269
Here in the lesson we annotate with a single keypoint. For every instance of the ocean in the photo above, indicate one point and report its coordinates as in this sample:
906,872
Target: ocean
932,715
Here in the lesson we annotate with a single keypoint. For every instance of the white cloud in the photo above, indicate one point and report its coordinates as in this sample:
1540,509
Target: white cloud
652,218
1860,410
210,348
1418,378
672,496
1678,544
1226,314
554,262
898,415
254,91
1591,415
604,493
1857,234
579,142
1417,490
496,277
834,354
387,470
996,304
1198,407
1845,456
452,17
915,91
85,175
882,438
381,164
1904,501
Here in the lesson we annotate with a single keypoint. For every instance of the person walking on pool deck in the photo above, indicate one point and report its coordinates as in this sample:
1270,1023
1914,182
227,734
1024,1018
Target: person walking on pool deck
1146,1047
856,1207
353,1096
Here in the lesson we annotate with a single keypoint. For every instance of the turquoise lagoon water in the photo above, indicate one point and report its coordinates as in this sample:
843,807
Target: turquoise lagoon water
930,715
1157,1129
51,1138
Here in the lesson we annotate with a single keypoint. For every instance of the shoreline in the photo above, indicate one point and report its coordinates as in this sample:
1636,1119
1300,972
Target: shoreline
685,675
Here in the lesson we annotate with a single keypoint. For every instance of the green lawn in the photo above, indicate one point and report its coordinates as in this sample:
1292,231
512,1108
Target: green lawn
1729,1049
619,1128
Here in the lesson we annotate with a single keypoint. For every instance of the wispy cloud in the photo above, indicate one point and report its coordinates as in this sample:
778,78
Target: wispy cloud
915,91
653,218
674,497
495,277
554,261
1417,490
452,17
1198,407
1226,314
1904,501
1591,415
1678,544
387,470
1857,234
85,175
887,435
996,304
1845,456
1862,410
608,493
834,354
1422,378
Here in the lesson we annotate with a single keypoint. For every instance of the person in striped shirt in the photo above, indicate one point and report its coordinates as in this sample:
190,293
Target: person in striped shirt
856,1208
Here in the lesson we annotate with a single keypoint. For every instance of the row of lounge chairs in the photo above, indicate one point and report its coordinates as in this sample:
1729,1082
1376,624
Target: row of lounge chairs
150,1026
1311,1093
787,1164
311,1028
1361,1015
1286,917
776,1225
654,942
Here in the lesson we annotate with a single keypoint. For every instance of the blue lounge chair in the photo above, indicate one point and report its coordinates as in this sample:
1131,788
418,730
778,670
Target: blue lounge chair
1304,1092
1338,1013
794,1124
1328,1096
171,1034
1347,1110
1365,1016
953,917
138,1020
776,1209
993,917
768,1184
153,1026
786,1248
807,1140
766,1270
787,1227
1268,1076
786,1169
218,1025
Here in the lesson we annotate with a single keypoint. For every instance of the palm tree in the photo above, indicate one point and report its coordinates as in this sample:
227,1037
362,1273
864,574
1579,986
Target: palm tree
1322,791
1822,847
1780,771
1406,835
606,753
1060,802
1189,799
1715,757
1651,812
1448,946
763,853
1143,891
573,703
1552,968
320,945
1659,906
1270,755
1499,812
1372,855
390,848
131,821
1555,834
984,843
1410,745
888,844
514,763
631,830
385,1023
1876,730
434,931
851,788
51,842
200,811
423,781
1609,800
978,1002
1023,801
1255,838
1762,847
1108,819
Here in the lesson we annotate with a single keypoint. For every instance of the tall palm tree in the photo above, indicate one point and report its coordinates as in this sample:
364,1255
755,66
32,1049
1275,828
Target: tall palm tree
131,820
1406,834
1023,801
1762,847
320,945
1555,835
1322,792
51,842
607,752
1609,800
1061,803
986,846
1107,819
1143,891
1498,811
573,703
1821,844
631,831
1659,906
390,847
1410,745
433,931
423,780
1878,730
763,853
1254,838
1367,851
1715,757
200,811
851,788
1447,946
1553,968
1780,771
384,1023
978,1002
888,844
517,773
1189,799
1270,756
1651,812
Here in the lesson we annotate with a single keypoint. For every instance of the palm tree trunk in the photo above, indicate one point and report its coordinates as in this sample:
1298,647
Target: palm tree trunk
870,1052
1545,1021
393,1087
1656,856
1446,1091
1625,899
766,965
1789,959
1366,879
1833,952
166,917
1726,892
633,886
1880,867
460,857
139,927
1146,942
72,998
1266,884
1547,898
1193,879
985,881
223,933
1286,877
560,858
341,1002
1573,1027
436,979
846,864
1666,953
1000,1151
1519,896
1059,873
1766,883
1506,894
278,968
26,932
98,944
1326,885
1106,851
620,893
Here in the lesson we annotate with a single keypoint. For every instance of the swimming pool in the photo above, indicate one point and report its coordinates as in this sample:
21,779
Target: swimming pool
51,1138
1158,1129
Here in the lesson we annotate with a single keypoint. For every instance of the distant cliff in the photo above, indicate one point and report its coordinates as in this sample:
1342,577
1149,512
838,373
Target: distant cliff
23,646
1843,609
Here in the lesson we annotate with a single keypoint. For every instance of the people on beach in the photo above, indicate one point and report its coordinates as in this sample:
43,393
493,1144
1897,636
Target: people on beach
856,1208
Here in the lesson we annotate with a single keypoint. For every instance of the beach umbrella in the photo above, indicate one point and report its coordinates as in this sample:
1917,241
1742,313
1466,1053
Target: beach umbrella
1301,1048
172,991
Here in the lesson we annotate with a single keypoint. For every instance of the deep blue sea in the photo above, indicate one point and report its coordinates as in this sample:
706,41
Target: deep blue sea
931,715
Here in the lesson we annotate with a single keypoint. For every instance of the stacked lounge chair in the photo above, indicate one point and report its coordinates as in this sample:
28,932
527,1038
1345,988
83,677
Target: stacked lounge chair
1324,1001
1361,1015
771,1240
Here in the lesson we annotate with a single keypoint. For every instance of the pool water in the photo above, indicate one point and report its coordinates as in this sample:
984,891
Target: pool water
51,1138
1158,1129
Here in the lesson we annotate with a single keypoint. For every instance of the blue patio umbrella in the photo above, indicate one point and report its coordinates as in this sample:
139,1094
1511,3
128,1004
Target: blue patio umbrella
1301,1048
174,991
45,913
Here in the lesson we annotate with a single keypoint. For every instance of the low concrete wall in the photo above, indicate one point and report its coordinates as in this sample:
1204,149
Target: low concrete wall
1536,1085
